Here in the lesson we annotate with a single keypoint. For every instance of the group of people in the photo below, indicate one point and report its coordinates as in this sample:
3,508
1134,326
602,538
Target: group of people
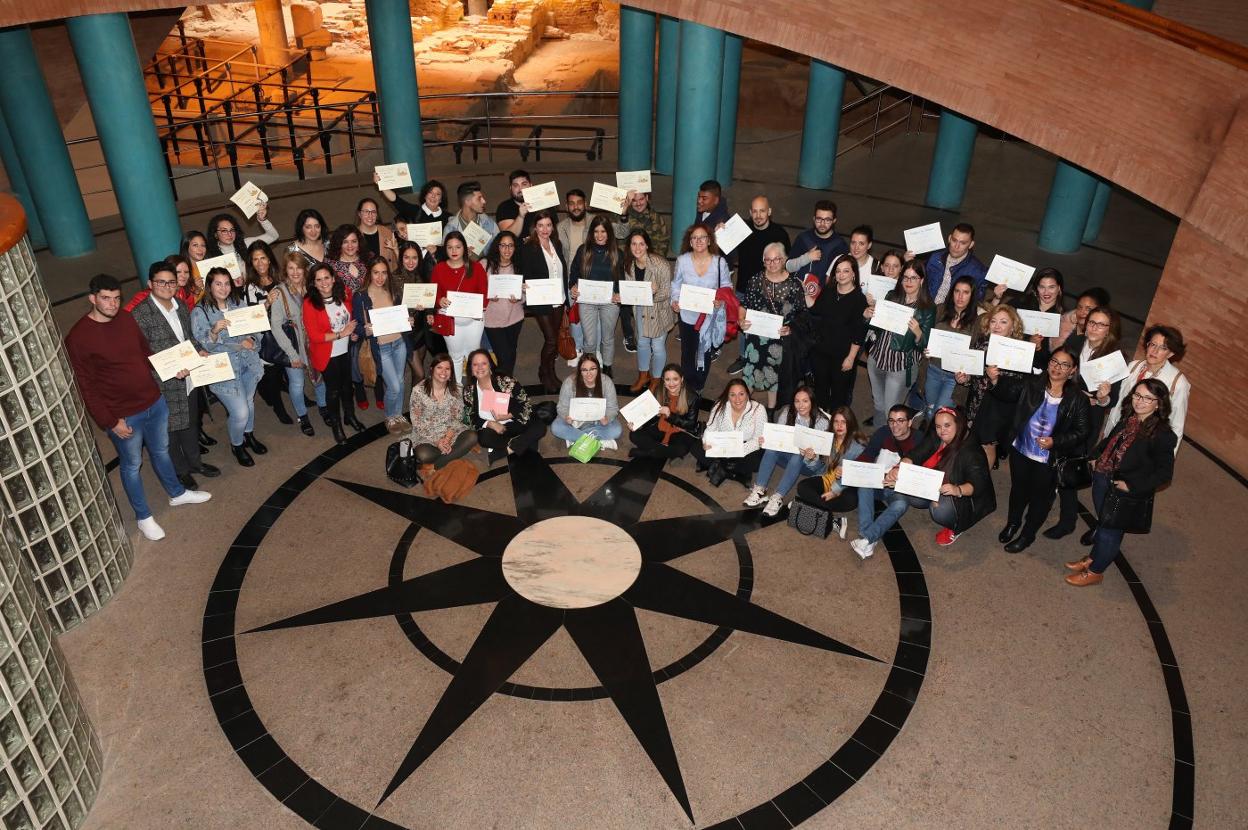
1055,433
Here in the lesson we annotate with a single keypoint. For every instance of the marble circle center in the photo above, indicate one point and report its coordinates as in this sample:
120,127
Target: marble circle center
571,562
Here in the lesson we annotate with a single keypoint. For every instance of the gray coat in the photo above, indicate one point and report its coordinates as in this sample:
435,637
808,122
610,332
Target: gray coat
278,315
160,337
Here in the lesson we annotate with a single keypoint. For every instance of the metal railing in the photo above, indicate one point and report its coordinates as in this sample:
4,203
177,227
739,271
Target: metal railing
872,108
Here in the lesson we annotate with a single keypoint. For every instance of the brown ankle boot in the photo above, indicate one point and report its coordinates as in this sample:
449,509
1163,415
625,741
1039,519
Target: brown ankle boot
654,386
643,380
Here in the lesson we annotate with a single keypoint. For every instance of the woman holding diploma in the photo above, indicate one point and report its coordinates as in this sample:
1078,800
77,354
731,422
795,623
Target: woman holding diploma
504,316
195,248
224,235
1045,294
734,412
699,264
237,394
542,258
894,358
802,412
990,405
389,350
259,278
651,322
440,433
772,291
1163,347
457,273
674,434
327,321
599,260
421,340
587,383
310,234
826,492
502,426
959,315
287,306
842,328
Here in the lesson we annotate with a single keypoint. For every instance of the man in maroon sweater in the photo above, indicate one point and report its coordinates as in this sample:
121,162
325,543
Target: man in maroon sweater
109,356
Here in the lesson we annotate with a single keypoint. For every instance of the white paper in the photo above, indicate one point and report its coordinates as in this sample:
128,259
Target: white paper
636,292
607,197
887,459
1014,274
966,361
819,440
587,409
732,234
640,410
215,369
940,342
925,238
1011,354
250,319
541,196
593,292
724,444
393,176
635,180
763,324
778,437
228,261
877,286
1040,322
1108,369
697,298
249,198
425,234
465,304
892,316
543,292
861,474
506,286
174,359
917,480
476,238
420,295
389,320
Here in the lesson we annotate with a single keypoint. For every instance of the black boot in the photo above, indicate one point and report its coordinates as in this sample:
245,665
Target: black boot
1007,535
606,370
335,427
249,438
305,426
1020,544
325,416
244,457
206,439
279,409
353,422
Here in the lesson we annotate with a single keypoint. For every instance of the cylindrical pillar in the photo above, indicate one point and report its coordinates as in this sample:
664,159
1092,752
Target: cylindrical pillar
665,111
1066,214
394,67
18,183
697,129
272,26
821,128
636,87
729,94
122,112
41,146
1096,216
52,481
951,163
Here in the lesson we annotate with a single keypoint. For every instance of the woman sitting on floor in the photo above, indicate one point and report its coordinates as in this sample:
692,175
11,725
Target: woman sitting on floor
802,412
734,412
826,491
674,433
439,433
587,382
509,426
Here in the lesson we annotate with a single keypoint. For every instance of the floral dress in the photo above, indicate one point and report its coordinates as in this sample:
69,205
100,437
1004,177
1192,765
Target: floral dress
436,422
763,357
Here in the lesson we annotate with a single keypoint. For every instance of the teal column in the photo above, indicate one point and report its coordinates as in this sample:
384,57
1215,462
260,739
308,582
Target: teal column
821,129
636,87
697,129
394,68
729,94
1066,214
109,65
1096,216
955,145
665,112
40,146
19,185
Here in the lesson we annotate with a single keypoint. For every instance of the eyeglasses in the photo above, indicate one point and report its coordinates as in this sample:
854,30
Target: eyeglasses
1161,347
911,278
1136,396
368,213
1060,364
899,420
1092,324
698,238
773,259
588,371
165,283
225,229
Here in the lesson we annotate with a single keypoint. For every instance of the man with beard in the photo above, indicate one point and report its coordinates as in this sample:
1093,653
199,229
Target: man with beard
512,214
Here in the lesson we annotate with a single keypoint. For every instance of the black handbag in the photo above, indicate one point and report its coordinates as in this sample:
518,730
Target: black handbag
1073,472
809,520
546,412
1128,512
401,465
270,351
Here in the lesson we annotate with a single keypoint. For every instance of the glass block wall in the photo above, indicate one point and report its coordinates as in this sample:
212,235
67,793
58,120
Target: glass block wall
52,481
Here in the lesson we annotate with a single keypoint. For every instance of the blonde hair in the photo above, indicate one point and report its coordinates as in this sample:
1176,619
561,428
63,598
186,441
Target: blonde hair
1016,322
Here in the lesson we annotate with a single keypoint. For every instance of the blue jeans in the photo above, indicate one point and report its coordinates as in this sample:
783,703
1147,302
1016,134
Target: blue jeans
295,384
1107,543
794,467
872,527
938,389
578,336
603,432
151,429
238,396
392,364
651,351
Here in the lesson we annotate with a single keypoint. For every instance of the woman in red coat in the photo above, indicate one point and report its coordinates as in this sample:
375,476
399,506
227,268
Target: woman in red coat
458,273
327,321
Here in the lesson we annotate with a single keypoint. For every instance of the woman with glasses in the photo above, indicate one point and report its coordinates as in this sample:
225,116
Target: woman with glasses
440,434
598,260
1051,422
802,412
1163,347
893,358
389,350
826,492
588,382
674,433
503,426
458,273
310,235
699,264
288,296
772,291
225,236
376,240
330,329
652,322
842,328
993,395
504,316
1136,459
542,258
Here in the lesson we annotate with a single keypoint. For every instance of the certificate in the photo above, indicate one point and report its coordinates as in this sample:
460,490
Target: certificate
877,286
215,369
393,176
593,292
476,238
389,320
861,474
778,437
582,410
608,198
940,342
764,325
228,261
247,320
425,234
543,292
508,286
249,198
636,292
819,440
1041,322
925,238
966,361
490,402
420,295
1108,369
891,316
1013,274
541,196
697,298
465,304
887,459
174,359
917,480
640,410
724,444
1011,354
635,180
732,234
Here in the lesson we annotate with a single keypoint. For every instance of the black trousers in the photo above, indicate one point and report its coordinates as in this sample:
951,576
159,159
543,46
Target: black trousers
695,378
184,443
338,392
810,491
521,437
270,386
626,322
649,442
833,386
505,341
1033,486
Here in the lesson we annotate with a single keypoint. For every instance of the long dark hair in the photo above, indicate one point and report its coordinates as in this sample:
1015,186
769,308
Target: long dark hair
1033,287
304,216
1111,336
185,248
492,263
949,312
682,400
629,261
853,433
853,264
334,249
236,293
394,285
587,250
214,247
582,389
722,401
791,409
411,276
1159,391
472,356
535,241
338,295
959,437
923,300
451,386
253,276
456,235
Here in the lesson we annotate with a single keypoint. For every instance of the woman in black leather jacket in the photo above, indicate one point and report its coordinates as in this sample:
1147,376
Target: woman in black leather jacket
967,494
516,428
675,431
1051,422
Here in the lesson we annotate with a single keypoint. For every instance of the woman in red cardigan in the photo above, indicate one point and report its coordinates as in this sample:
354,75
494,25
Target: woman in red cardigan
458,273
327,321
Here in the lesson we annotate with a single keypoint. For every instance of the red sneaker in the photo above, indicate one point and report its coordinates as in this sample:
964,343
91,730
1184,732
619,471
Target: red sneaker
946,537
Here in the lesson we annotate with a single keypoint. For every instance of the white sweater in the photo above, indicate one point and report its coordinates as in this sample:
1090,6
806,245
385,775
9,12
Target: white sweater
1180,389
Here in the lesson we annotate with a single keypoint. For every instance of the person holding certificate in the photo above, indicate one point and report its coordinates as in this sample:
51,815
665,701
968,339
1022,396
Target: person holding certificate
376,240
439,432
389,350
652,322
310,235
842,328
827,492
699,264
990,404
429,207
893,358
543,258
237,394
504,316
958,316
188,289
458,273
776,292
225,236
587,382
802,412
1045,295
734,412
598,260
943,267
1163,347
287,307
422,340
509,427
674,434
328,324
195,248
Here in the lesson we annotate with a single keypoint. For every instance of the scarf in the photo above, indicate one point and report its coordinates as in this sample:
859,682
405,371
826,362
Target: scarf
665,426
1111,456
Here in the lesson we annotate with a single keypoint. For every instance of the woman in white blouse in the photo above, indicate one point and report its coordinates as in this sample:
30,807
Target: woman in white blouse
543,258
1163,347
734,412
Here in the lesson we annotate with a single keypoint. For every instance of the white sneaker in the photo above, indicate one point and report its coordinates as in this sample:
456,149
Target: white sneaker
569,443
756,496
608,444
190,497
150,529
863,548
773,505
840,525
